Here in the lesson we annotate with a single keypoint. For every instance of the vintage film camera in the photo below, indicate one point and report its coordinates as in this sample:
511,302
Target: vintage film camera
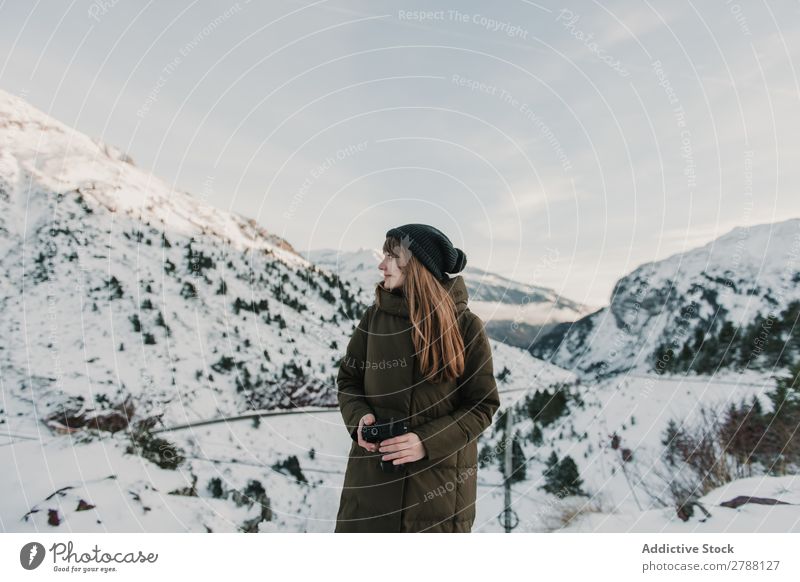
381,430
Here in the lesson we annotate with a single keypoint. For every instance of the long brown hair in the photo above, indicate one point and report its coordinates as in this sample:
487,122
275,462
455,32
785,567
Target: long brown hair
438,344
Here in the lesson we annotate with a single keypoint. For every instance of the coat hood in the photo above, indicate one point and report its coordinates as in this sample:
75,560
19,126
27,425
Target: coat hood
394,302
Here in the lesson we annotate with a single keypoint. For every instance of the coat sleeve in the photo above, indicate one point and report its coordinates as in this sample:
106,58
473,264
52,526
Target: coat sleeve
350,380
479,400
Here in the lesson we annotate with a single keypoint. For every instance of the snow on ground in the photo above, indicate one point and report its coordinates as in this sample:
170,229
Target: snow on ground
748,518
132,494
637,410
122,486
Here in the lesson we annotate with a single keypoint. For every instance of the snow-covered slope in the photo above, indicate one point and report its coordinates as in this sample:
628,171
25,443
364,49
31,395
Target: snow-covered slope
632,495
41,157
124,300
747,518
116,285
682,312
126,303
130,494
359,267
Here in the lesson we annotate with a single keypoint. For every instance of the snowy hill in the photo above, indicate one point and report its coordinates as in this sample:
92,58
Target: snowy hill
297,460
612,431
732,303
131,310
512,311
119,286
135,306
747,518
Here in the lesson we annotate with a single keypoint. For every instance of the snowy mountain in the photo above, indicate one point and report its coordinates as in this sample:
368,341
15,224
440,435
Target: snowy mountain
169,367
136,308
733,303
514,313
119,286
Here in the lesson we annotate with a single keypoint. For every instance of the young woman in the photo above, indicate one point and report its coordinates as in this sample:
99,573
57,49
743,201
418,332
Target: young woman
418,356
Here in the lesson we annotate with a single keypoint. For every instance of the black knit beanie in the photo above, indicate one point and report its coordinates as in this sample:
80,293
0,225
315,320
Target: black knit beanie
432,248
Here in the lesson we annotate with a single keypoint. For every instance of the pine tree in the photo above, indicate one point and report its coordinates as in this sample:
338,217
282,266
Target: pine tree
188,291
545,407
536,435
137,325
551,465
562,477
780,446
162,323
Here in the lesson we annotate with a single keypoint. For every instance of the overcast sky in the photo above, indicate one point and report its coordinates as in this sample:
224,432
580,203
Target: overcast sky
561,144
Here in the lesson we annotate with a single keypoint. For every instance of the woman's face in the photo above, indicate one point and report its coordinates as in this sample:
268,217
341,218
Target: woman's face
392,275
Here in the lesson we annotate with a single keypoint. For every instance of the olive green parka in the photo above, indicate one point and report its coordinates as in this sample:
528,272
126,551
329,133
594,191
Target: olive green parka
379,375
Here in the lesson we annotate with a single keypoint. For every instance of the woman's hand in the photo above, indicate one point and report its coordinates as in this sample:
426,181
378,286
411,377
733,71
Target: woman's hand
403,449
366,419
